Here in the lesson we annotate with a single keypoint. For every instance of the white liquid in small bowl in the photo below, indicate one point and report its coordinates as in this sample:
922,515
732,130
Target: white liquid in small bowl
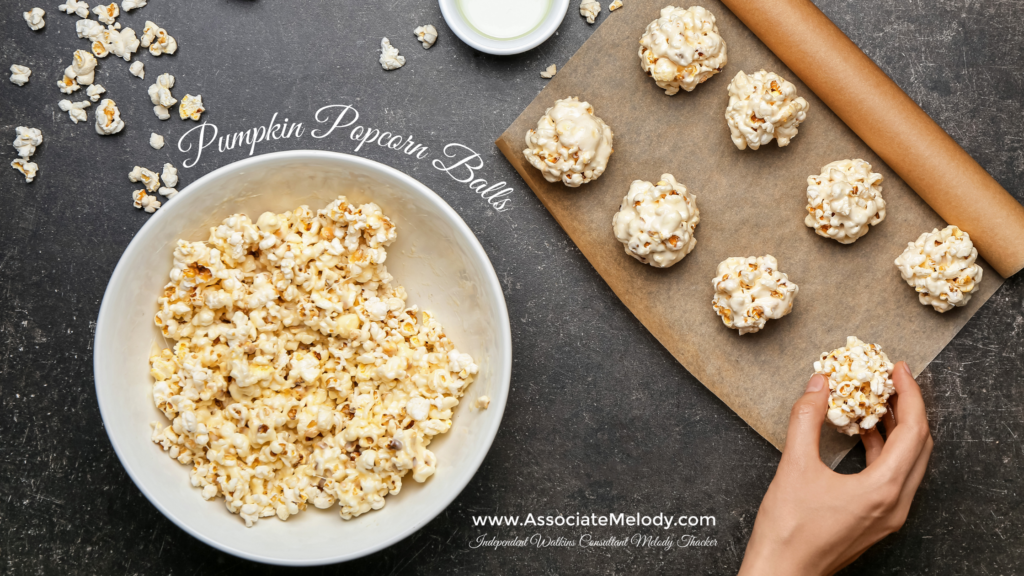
504,19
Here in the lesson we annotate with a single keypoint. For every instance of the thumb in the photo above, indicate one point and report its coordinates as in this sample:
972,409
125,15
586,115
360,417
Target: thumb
805,421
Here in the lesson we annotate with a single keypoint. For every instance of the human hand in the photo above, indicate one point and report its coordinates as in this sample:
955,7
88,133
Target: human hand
815,521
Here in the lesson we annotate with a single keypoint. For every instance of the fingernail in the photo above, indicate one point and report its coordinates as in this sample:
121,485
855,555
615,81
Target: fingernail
816,383
906,369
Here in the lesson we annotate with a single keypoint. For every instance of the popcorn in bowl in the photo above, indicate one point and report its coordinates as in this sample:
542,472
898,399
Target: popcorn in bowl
299,375
682,48
655,222
844,201
750,291
763,106
941,266
860,380
570,143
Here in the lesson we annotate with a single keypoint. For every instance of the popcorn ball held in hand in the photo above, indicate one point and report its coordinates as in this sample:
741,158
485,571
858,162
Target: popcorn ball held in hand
763,106
655,222
570,143
860,380
750,291
844,201
941,266
682,48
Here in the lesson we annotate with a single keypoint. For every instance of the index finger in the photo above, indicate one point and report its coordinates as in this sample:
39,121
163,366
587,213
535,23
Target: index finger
905,441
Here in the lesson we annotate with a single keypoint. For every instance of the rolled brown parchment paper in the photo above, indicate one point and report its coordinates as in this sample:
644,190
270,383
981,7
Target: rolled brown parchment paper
892,124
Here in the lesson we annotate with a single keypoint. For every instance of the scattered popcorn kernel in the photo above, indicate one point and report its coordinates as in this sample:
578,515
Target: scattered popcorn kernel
860,381
94,91
427,35
549,72
589,9
682,48
145,201
20,74
83,67
34,17
150,179
28,169
763,106
655,222
156,141
169,175
137,69
389,57
570,143
615,5
191,107
67,84
167,192
844,201
81,9
482,403
112,40
750,291
26,140
160,95
108,118
106,14
75,109
941,266
129,5
157,40
299,374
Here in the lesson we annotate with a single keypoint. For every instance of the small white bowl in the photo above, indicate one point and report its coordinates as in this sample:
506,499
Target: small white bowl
437,259
467,33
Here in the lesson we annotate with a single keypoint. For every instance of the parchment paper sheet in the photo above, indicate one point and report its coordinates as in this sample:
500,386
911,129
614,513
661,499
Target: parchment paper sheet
751,203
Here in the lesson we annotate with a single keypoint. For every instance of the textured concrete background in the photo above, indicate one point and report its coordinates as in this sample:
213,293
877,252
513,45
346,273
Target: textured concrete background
601,418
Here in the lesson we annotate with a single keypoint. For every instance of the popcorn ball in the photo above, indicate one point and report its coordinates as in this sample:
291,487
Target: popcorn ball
763,106
299,375
941,266
860,381
655,222
569,144
749,291
682,48
844,200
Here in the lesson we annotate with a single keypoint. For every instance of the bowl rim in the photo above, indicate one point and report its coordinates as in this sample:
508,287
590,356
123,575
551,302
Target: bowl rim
454,19
503,334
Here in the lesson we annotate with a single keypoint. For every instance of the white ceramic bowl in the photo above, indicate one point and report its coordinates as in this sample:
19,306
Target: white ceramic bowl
437,259
457,22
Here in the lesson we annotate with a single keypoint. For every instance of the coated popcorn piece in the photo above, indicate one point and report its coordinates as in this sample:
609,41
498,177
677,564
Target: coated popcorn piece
83,68
169,175
589,9
34,18
682,48
191,107
427,35
27,168
750,291
25,141
129,5
860,381
76,110
655,222
144,201
941,266
106,14
389,57
149,179
299,375
844,201
108,118
570,143
94,91
763,106
157,40
20,74
160,96
549,72
137,69
81,9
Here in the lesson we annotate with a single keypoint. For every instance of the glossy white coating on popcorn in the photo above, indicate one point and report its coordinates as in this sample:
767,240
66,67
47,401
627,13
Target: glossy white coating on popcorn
94,91
80,9
655,222
763,106
25,141
427,35
137,69
482,403
942,267
106,14
108,118
20,74
390,59
860,382
844,201
570,143
589,9
191,107
298,374
76,110
682,48
34,18
28,169
157,40
750,291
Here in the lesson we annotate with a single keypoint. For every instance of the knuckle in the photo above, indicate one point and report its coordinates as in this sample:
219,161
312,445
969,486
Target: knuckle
803,410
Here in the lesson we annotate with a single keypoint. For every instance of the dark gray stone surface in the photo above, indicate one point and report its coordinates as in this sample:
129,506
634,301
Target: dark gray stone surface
600,419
